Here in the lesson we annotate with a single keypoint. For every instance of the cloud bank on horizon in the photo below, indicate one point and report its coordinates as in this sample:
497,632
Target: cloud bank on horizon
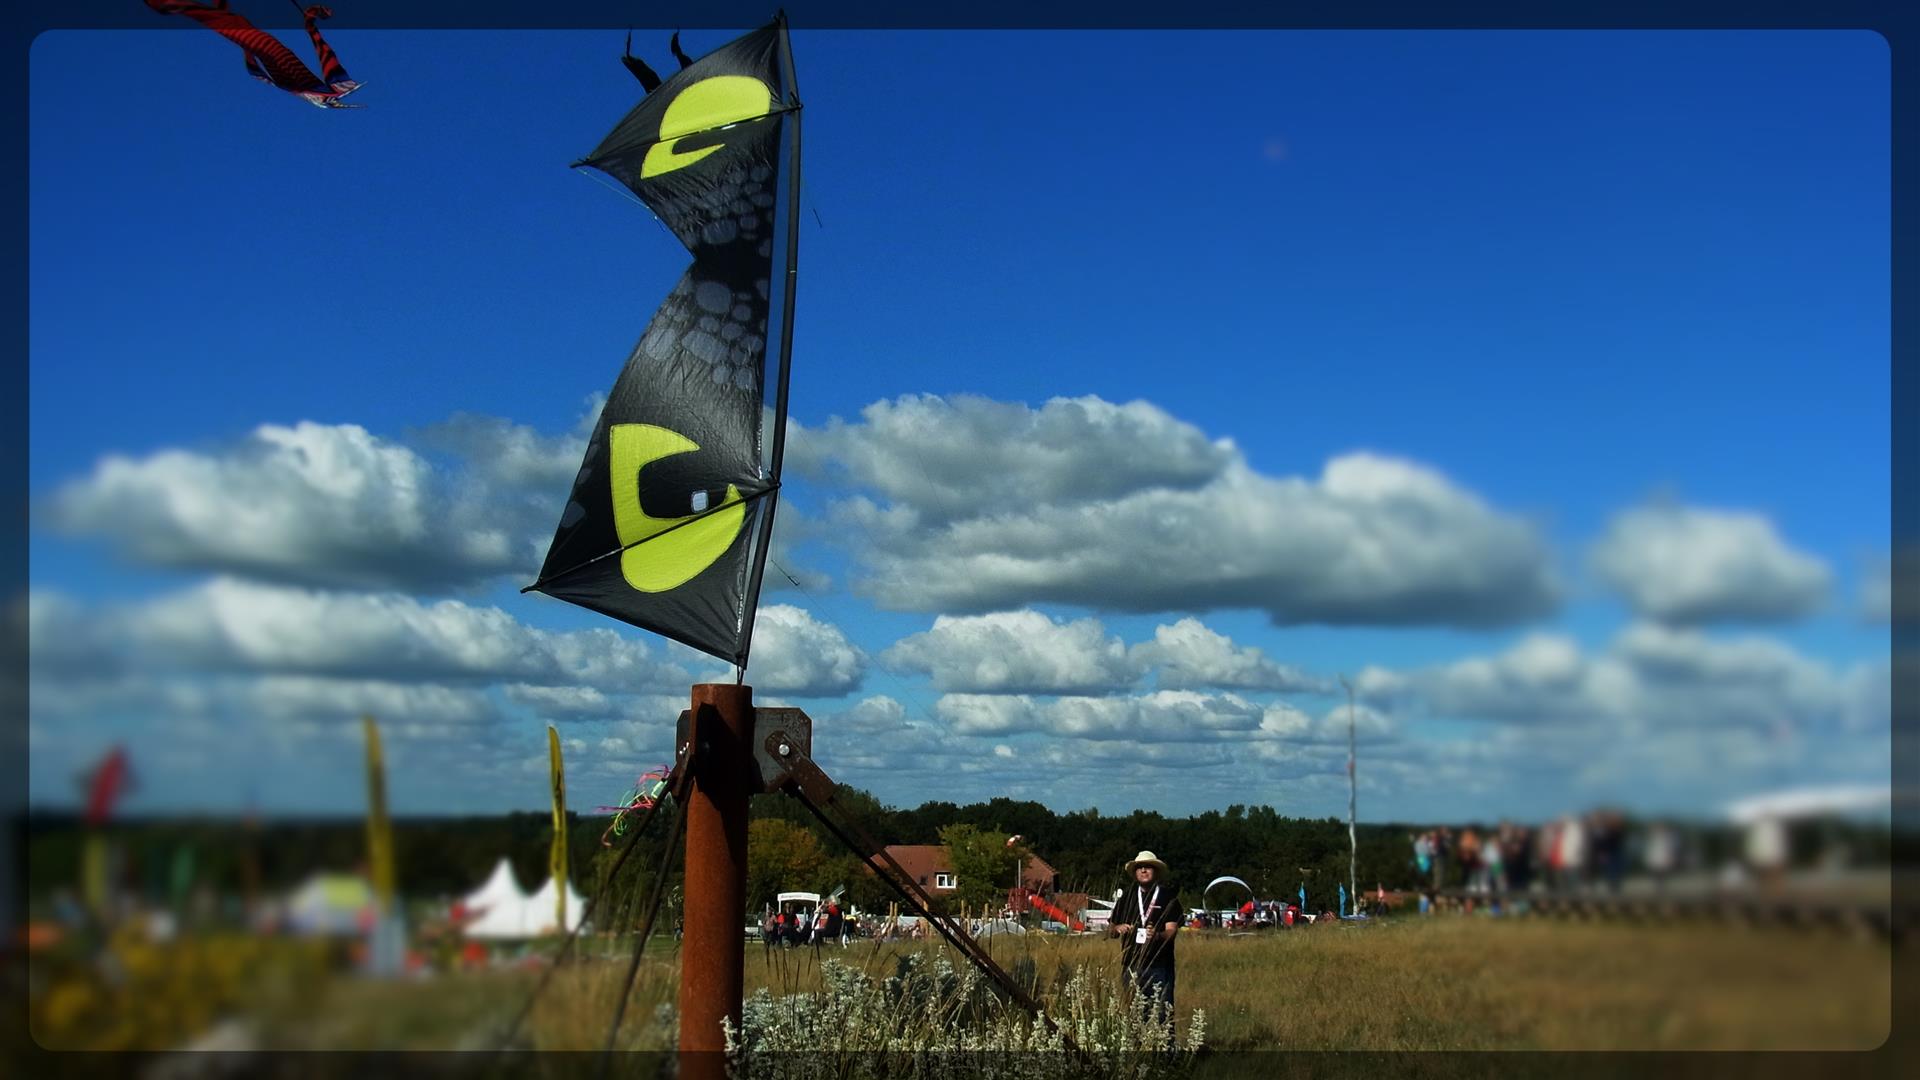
338,577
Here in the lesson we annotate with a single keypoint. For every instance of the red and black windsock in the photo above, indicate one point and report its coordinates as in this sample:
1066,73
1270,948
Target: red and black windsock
332,71
267,59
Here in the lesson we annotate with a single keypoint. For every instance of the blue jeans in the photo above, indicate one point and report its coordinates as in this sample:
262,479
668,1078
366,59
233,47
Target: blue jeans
1156,982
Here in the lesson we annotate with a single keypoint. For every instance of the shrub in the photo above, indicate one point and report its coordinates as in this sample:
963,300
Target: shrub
930,1019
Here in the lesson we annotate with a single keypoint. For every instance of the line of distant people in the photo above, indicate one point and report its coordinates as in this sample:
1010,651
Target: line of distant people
1571,853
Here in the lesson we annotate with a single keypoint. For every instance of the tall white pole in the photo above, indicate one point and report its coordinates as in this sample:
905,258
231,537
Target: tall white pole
1353,842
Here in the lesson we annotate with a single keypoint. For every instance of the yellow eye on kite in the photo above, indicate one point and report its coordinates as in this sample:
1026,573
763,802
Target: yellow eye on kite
669,561
705,106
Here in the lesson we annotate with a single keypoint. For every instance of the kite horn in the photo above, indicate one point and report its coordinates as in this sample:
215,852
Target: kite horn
679,53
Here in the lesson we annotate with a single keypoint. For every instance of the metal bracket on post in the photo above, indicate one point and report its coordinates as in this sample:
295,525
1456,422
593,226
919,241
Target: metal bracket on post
770,768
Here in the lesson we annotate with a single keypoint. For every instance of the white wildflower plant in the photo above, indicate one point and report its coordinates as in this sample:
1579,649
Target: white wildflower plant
933,1020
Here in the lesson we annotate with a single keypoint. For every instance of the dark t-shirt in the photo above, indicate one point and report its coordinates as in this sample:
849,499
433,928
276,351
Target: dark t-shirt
1160,911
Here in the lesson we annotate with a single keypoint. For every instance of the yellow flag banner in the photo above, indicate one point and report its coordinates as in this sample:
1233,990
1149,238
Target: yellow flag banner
558,859
379,830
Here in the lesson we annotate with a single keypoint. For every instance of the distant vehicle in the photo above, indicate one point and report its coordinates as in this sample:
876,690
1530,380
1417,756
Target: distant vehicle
791,918
1099,914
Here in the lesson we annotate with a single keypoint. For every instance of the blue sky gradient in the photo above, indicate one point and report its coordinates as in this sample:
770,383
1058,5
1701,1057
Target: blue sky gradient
1571,272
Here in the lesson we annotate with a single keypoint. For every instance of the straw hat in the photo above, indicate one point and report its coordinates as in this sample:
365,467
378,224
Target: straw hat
1147,858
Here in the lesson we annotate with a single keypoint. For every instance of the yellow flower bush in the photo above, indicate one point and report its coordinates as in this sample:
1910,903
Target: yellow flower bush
139,994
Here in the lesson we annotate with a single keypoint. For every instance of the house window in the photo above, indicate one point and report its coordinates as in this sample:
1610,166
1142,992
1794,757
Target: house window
943,881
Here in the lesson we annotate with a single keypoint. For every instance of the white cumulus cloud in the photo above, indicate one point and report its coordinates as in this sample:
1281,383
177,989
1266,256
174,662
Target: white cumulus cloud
1651,677
239,625
312,503
948,458
1139,512
1190,655
1016,652
795,653
1162,716
1688,565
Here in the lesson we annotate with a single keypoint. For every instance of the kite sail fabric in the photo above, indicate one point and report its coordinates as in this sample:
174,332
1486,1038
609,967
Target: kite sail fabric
557,855
670,514
266,58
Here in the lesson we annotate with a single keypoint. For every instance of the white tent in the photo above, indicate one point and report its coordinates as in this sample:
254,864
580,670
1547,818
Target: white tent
502,911
539,911
499,907
501,885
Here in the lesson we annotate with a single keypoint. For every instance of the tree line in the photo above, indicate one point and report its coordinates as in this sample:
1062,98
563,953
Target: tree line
439,858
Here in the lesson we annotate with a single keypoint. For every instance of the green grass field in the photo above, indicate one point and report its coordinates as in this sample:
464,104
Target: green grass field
1440,984
1447,983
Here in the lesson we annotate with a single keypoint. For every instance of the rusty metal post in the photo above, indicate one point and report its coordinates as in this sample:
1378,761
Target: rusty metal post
713,948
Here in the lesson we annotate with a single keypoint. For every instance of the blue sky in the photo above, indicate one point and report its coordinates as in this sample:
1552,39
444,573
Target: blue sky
1597,322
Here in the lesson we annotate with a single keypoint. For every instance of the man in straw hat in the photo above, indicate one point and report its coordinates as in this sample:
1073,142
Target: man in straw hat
1145,920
